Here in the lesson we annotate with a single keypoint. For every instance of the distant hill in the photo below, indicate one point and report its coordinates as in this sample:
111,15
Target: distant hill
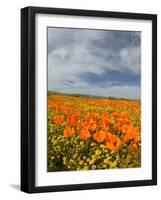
92,96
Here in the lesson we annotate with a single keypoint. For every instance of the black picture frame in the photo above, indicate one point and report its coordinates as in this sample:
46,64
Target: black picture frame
28,98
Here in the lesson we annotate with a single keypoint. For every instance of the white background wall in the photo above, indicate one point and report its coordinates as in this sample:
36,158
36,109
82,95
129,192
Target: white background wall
10,98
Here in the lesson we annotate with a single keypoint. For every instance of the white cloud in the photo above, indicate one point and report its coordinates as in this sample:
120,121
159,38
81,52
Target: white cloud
131,57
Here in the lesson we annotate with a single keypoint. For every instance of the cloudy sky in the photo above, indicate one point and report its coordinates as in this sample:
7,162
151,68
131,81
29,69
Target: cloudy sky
95,62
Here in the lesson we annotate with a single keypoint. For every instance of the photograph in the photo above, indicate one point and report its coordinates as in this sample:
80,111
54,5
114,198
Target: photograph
89,99
93,99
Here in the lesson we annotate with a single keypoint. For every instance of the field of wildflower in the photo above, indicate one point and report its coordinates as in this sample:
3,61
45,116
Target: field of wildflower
86,133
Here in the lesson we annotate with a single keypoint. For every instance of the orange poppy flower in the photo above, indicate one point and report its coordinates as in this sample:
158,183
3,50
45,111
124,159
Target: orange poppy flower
84,134
101,124
91,121
69,110
124,129
72,120
99,136
81,125
110,146
59,119
114,147
118,144
124,115
108,136
134,147
113,142
120,120
95,116
128,136
106,129
127,121
107,122
68,132
92,126
137,138
104,116
115,114
131,134
118,127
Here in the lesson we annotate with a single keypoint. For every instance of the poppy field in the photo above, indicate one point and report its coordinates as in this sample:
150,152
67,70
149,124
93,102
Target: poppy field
89,133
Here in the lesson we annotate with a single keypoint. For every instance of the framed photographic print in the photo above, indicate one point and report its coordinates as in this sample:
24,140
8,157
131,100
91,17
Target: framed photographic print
88,99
